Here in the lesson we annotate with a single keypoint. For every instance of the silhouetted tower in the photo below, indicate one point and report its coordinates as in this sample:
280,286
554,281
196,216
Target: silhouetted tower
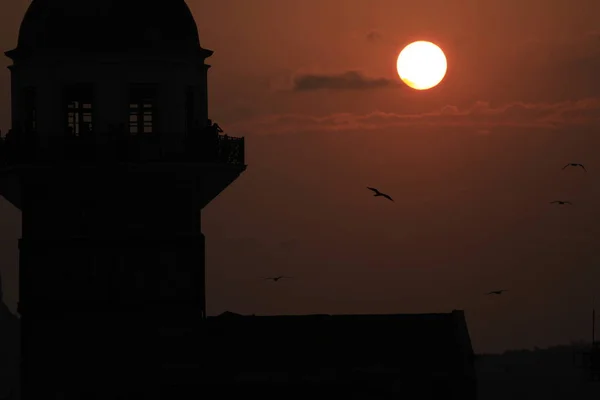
110,163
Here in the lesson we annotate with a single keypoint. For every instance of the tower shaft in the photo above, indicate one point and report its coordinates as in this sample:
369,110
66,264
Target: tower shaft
111,158
111,278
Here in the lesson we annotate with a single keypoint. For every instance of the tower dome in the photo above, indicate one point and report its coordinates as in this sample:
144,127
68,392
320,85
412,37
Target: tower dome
108,26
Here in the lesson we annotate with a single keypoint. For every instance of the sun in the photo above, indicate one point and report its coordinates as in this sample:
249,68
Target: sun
422,65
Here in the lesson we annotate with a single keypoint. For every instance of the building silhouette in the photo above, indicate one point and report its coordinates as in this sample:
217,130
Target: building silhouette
589,358
425,356
111,160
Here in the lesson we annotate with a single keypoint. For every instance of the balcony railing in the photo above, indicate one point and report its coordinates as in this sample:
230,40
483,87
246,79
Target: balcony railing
25,147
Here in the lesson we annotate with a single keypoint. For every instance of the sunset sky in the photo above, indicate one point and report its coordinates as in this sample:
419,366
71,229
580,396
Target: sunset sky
472,163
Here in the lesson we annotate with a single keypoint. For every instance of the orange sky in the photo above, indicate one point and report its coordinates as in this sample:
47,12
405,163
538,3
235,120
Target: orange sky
472,164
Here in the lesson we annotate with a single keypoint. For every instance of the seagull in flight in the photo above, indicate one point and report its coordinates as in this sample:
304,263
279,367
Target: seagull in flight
560,202
277,278
498,292
575,165
378,193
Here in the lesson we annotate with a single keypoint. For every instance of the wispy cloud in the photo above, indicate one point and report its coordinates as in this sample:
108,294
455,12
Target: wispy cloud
480,117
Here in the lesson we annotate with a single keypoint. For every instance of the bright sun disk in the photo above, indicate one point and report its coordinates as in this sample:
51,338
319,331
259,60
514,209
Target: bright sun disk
421,65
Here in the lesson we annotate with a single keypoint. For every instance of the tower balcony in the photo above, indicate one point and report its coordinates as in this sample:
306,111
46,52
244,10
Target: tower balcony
212,161
19,148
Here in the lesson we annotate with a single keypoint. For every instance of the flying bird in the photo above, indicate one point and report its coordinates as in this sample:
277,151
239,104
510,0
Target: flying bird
561,202
575,165
378,193
277,278
497,291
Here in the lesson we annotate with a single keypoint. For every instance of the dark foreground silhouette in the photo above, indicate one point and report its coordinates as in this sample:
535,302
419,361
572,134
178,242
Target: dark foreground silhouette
552,373
344,355
351,356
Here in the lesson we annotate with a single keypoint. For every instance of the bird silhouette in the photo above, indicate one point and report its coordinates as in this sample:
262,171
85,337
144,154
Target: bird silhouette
277,278
575,165
378,193
561,202
497,291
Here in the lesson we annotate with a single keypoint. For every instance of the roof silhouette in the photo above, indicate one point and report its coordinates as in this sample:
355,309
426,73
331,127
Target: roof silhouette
229,314
107,25
415,344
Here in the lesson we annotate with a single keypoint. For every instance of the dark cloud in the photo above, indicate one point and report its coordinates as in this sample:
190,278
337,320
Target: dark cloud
479,117
349,80
374,36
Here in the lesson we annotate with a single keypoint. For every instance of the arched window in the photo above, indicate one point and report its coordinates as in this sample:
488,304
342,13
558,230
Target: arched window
79,101
142,108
